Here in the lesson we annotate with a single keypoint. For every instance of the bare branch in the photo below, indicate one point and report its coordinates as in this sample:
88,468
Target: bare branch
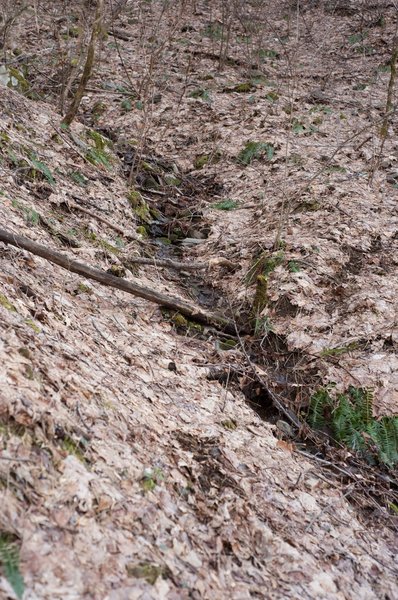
177,304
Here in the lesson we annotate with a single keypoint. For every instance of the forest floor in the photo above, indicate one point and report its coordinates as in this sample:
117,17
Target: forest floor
141,456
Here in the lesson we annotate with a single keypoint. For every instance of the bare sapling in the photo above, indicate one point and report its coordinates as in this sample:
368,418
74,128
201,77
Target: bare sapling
88,67
389,110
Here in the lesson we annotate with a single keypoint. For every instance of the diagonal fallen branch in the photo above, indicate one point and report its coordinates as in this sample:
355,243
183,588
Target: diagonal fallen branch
101,219
185,308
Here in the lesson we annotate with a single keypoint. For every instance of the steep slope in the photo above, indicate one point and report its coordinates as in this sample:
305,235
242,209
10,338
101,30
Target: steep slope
127,470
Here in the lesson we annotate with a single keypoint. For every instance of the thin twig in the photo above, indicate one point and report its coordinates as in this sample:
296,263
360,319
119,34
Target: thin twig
16,459
328,463
327,507
104,220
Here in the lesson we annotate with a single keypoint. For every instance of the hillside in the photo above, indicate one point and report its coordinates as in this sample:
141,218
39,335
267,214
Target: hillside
230,157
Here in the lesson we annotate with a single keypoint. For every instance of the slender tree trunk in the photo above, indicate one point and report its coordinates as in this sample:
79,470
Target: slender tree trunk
88,67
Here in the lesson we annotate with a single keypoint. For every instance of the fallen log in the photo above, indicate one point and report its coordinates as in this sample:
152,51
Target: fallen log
185,308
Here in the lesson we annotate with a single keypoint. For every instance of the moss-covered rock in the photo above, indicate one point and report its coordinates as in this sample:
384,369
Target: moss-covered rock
139,206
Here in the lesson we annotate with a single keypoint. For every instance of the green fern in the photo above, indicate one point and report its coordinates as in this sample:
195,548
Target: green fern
363,400
350,417
254,150
320,401
9,561
387,440
42,168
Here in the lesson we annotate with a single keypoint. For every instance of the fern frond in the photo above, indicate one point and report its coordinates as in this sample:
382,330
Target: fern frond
9,561
353,423
356,441
342,420
362,399
388,446
319,402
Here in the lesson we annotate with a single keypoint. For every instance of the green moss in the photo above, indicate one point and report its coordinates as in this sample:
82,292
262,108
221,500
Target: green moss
142,231
17,80
182,322
90,235
25,352
148,484
164,240
4,139
243,88
82,288
108,247
228,344
143,212
151,478
148,571
201,161
101,142
310,205
98,242
229,424
204,159
195,326
155,213
134,197
117,271
145,166
139,206
179,320
171,180
29,372
6,303
340,350
260,300
32,325
72,447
